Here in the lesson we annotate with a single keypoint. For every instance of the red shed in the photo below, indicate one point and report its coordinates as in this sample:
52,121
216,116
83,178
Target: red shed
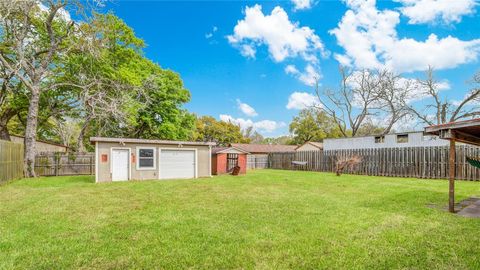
224,159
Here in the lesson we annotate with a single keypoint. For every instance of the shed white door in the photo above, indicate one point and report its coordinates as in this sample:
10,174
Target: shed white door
177,164
120,165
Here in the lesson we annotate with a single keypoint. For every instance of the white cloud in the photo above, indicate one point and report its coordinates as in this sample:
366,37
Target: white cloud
302,100
418,91
302,4
61,13
284,39
291,69
267,126
370,40
474,102
246,109
243,123
309,76
443,85
427,11
405,124
248,51
211,33
407,89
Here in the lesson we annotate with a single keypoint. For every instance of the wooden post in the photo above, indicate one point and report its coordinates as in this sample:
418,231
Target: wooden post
91,165
451,181
57,161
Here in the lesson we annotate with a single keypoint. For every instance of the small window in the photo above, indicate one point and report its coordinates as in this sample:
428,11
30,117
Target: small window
146,158
379,139
403,138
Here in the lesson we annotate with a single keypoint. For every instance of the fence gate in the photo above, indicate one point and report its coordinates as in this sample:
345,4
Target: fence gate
52,164
232,161
11,160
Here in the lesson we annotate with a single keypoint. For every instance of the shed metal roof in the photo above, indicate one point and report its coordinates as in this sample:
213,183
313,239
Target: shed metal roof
148,141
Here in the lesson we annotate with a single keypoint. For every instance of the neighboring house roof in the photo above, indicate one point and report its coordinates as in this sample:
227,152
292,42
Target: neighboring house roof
318,145
129,140
377,135
42,141
228,150
264,148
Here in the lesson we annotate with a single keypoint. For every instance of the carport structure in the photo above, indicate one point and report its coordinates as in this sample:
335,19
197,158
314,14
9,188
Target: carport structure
463,131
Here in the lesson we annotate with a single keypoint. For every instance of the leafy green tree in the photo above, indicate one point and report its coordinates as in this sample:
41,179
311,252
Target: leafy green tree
208,129
164,117
13,102
93,70
279,140
127,95
368,128
313,125
253,135
106,76
32,43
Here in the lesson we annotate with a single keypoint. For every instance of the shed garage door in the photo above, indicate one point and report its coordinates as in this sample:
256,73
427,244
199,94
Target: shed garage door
177,164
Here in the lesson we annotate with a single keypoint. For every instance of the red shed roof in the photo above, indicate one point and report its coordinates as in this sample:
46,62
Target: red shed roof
228,150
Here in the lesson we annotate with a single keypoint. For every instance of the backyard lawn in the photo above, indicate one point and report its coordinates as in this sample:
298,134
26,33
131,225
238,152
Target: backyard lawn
268,219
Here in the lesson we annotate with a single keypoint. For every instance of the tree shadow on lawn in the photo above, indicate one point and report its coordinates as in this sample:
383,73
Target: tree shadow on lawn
413,202
54,181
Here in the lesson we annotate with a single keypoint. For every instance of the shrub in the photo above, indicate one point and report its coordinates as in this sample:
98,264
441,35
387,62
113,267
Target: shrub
344,162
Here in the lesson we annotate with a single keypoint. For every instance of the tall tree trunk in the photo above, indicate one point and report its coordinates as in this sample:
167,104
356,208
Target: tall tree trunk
4,134
81,135
4,119
31,133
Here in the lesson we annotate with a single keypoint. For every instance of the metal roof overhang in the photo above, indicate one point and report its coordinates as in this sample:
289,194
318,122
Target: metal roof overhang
463,131
148,141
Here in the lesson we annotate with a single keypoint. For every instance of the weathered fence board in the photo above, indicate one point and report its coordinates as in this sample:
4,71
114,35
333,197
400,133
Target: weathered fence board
421,162
53,164
257,161
11,160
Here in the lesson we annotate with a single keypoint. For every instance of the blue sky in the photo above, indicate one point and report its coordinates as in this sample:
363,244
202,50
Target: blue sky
243,60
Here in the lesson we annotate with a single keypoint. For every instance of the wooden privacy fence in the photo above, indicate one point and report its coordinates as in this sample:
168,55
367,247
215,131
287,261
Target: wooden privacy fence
257,161
420,162
53,164
11,160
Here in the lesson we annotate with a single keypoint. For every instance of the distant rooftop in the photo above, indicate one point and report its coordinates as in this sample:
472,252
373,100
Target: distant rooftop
42,141
376,135
319,145
264,148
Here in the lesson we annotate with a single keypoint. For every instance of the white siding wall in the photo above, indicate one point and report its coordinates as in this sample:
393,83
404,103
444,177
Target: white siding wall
415,139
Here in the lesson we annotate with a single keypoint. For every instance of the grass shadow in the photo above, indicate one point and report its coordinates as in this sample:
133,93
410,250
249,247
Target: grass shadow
53,181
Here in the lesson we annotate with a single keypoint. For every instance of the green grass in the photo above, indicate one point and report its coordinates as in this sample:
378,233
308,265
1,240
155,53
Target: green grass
268,219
